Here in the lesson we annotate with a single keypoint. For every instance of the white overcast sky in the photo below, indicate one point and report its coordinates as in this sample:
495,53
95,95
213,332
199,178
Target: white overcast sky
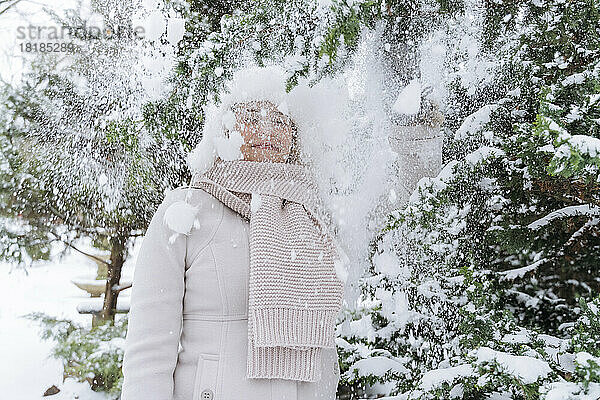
24,13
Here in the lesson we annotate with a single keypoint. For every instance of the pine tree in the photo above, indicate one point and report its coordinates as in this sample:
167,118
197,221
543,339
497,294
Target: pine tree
81,163
491,263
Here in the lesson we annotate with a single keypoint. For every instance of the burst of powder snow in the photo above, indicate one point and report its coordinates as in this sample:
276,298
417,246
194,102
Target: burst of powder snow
392,196
228,148
152,86
151,4
179,216
175,30
343,129
154,25
96,20
229,120
102,179
475,68
386,263
247,84
349,171
355,172
341,261
340,270
283,107
158,58
432,66
409,99
203,156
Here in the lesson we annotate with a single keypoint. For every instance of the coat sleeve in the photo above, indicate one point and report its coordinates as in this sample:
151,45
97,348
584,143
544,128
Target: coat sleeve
155,315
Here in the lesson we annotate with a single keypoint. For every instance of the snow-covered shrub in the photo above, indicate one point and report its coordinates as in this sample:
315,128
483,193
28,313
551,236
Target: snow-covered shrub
478,288
438,315
583,358
92,355
451,304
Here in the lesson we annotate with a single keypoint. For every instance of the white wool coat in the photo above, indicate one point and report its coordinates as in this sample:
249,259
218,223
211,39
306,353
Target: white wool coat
188,318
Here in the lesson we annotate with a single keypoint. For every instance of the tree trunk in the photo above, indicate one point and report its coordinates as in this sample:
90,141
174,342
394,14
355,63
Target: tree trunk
117,257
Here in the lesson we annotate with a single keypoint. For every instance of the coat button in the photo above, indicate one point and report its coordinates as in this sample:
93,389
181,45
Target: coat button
206,394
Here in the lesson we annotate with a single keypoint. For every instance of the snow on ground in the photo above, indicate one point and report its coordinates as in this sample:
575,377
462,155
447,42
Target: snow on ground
27,369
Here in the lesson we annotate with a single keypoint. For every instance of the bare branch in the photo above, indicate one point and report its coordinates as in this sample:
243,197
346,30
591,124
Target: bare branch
79,250
7,6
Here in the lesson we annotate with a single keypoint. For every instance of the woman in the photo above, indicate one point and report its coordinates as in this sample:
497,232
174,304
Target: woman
235,296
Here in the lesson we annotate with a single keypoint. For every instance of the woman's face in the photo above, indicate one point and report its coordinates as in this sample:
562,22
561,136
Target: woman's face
267,132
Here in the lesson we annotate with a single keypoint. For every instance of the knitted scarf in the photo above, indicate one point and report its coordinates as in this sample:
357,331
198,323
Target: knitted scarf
294,293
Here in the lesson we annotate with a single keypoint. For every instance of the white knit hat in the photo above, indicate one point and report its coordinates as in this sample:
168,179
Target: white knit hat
247,84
